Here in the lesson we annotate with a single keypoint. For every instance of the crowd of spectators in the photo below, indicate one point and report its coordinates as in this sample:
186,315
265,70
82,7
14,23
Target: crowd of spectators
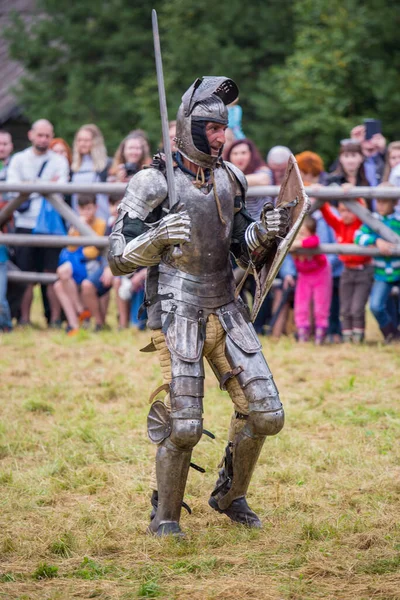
328,294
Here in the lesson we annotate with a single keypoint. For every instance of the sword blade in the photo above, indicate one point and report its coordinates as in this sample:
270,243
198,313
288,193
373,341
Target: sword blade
163,112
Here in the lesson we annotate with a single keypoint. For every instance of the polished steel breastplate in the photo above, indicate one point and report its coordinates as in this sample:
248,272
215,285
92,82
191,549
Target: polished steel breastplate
202,276
208,250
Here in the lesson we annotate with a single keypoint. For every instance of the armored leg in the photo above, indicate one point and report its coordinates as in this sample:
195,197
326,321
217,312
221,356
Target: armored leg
174,452
265,417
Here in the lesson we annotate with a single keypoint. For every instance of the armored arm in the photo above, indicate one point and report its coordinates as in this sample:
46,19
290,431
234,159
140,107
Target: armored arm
146,249
117,240
144,194
253,240
136,241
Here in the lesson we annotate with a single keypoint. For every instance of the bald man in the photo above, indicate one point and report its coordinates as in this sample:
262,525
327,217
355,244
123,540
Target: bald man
31,165
277,160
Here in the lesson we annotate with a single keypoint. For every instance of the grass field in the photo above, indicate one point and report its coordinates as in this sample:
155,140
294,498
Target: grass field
75,464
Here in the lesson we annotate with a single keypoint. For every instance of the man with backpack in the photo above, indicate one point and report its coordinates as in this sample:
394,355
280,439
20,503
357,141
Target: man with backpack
29,166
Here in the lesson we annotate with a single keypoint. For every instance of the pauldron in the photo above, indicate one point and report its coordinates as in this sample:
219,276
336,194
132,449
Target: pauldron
145,191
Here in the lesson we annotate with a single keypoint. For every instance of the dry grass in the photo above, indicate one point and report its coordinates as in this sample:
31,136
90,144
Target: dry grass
75,463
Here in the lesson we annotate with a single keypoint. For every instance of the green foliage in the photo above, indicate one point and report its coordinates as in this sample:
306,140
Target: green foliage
381,566
149,589
45,571
39,407
308,70
344,57
7,577
237,41
63,546
188,566
6,477
90,569
84,62
89,62
312,531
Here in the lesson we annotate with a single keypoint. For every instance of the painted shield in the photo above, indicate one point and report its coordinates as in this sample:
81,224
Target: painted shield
293,196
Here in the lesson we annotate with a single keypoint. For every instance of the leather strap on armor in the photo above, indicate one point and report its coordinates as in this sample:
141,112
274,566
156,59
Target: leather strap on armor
226,376
161,388
169,319
240,460
153,300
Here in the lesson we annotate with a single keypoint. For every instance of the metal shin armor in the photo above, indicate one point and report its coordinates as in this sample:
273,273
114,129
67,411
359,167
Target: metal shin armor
175,451
265,418
205,100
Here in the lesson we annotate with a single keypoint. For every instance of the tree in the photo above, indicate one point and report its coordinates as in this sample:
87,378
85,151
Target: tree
84,63
87,64
345,67
228,38
307,70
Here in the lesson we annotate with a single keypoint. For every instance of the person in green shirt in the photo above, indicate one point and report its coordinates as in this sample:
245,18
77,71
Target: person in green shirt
386,267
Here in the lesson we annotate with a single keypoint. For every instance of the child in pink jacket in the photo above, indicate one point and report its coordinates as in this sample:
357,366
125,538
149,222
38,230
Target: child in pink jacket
314,285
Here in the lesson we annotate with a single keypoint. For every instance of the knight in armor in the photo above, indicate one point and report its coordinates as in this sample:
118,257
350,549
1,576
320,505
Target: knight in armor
192,307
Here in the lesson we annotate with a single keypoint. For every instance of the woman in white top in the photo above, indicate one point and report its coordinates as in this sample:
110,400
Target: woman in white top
90,164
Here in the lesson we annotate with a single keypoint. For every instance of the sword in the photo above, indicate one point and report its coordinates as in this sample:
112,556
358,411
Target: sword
177,252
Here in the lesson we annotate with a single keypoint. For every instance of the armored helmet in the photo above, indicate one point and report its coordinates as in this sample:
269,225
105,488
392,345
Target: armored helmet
206,100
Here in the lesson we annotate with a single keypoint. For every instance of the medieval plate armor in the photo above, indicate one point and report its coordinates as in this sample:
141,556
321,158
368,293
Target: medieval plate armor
193,307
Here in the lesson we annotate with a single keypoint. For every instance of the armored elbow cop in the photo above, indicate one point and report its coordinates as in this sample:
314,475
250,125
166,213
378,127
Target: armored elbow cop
118,265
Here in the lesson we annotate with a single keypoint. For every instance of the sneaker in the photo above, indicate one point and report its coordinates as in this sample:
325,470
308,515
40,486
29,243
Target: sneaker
23,323
358,336
84,315
320,333
71,332
347,335
390,333
303,334
125,289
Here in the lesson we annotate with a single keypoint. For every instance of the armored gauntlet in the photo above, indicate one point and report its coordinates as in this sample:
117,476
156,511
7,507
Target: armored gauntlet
274,224
146,249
